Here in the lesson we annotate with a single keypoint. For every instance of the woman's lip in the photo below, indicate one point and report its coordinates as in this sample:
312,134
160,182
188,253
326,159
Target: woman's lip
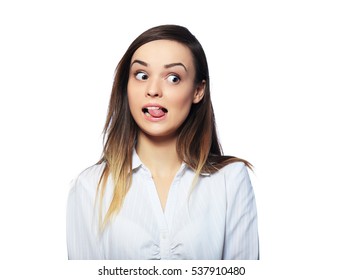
153,119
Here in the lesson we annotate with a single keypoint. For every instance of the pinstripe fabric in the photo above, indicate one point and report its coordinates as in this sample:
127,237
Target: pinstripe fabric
216,220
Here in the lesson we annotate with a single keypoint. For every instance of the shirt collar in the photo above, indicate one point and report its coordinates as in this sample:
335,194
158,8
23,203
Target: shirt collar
136,161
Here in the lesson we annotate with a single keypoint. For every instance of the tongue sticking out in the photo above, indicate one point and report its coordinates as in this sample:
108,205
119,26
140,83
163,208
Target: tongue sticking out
156,113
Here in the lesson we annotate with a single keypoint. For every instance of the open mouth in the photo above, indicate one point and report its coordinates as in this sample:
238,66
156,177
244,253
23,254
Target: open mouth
154,111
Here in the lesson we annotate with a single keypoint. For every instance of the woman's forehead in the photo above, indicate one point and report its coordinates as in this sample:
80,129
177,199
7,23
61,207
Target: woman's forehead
163,52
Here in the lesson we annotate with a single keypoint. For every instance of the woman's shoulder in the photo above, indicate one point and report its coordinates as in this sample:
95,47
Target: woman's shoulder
234,172
92,172
88,179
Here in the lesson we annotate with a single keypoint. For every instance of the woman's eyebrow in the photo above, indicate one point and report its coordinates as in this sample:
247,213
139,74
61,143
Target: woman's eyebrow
139,62
165,66
175,64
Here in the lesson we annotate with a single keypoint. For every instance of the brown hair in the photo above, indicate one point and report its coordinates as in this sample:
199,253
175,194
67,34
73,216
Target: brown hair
197,144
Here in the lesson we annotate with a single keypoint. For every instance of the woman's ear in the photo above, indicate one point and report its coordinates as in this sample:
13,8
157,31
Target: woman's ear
199,92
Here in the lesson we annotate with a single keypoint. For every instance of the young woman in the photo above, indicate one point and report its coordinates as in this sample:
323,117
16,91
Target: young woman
163,189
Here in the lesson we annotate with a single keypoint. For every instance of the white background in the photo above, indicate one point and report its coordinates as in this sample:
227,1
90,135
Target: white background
276,75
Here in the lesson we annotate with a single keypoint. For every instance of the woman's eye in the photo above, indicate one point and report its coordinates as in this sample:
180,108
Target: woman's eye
141,76
173,79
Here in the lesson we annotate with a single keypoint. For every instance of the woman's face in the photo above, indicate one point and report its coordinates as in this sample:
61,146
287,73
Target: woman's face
161,87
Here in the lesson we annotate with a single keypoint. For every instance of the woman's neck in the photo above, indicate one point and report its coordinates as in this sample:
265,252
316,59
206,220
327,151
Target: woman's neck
158,154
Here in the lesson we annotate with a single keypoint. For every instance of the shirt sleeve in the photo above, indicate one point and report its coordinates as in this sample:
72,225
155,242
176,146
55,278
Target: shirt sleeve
82,233
241,235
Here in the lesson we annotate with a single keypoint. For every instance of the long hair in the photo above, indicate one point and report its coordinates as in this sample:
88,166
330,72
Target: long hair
197,143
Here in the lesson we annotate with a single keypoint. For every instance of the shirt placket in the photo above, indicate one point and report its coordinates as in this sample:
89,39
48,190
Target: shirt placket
164,240
164,218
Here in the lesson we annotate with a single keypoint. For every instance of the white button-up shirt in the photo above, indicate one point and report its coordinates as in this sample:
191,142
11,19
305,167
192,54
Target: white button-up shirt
215,220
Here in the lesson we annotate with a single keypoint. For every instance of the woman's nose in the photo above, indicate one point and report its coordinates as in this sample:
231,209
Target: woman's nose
154,89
